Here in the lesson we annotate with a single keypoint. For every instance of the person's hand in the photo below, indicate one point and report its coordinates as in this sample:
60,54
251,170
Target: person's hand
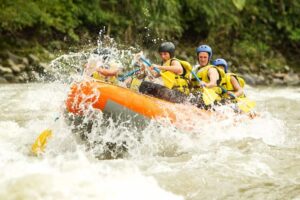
232,95
142,68
143,65
153,66
100,70
137,63
137,56
202,84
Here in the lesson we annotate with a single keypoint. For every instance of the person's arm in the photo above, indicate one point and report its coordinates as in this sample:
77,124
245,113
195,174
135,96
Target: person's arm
151,70
213,78
175,67
108,72
238,90
154,73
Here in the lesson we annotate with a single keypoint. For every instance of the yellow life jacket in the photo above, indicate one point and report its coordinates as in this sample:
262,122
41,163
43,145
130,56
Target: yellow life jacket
135,84
202,74
179,82
109,79
228,85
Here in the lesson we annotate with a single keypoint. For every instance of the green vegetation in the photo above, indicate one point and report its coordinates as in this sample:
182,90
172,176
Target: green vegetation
250,32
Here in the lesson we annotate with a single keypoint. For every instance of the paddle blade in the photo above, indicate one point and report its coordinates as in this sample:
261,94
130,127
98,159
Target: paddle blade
245,104
41,141
209,96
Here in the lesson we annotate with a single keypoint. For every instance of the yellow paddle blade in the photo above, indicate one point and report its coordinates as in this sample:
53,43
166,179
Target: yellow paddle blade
209,96
245,104
41,141
168,81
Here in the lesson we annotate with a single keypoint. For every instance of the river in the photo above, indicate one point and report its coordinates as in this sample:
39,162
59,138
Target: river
253,159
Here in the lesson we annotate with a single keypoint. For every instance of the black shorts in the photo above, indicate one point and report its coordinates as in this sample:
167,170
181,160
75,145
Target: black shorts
162,92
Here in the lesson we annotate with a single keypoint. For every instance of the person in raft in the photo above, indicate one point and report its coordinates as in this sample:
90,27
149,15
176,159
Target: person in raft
174,74
102,66
210,76
233,85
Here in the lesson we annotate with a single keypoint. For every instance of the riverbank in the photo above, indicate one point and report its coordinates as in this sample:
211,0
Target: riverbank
22,69
260,43
30,68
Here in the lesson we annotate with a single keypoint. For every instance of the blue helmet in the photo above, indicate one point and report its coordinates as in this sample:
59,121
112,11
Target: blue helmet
221,62
204,48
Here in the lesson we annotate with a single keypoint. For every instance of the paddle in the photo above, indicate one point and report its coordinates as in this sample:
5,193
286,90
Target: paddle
209,96
41,141
128,74
244,103
167,81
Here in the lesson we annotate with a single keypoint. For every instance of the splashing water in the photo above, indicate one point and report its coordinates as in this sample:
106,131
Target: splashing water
162,162
238,157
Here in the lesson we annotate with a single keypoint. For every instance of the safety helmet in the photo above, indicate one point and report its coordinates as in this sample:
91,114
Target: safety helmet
167,47
221,62
204,48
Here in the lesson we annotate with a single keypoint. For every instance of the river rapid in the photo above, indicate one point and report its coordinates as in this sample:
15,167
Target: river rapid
250,159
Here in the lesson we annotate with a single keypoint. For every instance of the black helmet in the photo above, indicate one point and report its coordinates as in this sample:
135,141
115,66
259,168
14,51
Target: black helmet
167,47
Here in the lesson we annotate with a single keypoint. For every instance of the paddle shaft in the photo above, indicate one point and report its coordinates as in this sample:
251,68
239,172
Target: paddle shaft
158,71
196,77
128,74
205,90
149,64
249,105
226,91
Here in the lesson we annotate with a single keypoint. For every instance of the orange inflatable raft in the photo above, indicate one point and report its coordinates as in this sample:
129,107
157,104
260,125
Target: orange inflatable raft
112,99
